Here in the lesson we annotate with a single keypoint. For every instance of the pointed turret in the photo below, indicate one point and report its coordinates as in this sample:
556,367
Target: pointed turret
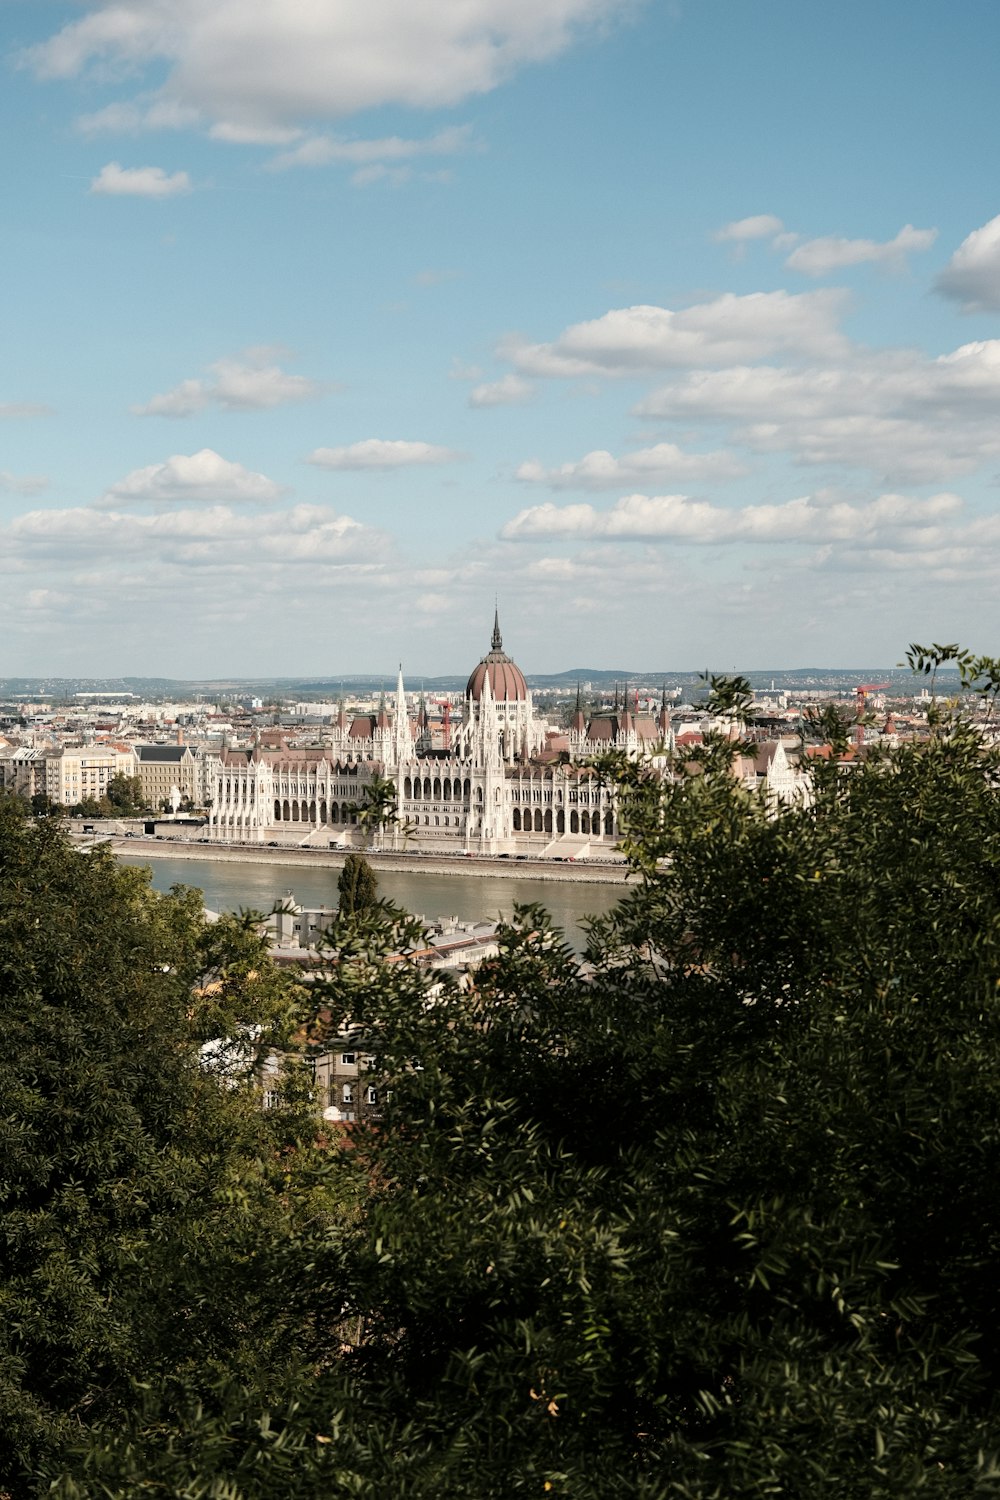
663,723
497,642
578,723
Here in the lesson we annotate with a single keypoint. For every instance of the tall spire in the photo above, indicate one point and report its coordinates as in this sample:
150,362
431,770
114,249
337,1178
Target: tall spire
497,640
402,739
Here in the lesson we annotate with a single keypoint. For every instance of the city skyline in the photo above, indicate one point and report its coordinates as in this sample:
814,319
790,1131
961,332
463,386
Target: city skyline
676,324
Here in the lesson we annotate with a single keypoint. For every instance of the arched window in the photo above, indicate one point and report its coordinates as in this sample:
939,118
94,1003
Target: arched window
322,812
574,822
466,788
479,794
548,821
345,813
407,787
538,820
517,820
295,812
585,822
437,789
560,821
277,810
447,789
609,824
312,812
285,814
427,787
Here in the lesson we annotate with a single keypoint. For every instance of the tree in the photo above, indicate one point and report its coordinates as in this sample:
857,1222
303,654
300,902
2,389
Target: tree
125,794
357,887
142,1193
709,1214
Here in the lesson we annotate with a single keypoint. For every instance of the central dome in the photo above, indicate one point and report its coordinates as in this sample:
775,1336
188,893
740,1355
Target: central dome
507,684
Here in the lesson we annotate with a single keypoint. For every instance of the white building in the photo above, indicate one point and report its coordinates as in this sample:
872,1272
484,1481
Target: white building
495,788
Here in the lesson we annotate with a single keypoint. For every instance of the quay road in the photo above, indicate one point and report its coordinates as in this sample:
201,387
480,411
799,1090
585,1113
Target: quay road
495,867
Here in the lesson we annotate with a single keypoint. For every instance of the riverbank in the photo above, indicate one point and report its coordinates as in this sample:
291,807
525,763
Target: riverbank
460,867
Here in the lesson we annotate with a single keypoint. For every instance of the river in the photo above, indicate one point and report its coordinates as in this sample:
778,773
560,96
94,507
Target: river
228,886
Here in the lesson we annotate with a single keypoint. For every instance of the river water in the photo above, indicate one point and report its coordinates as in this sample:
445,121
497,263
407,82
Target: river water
228,886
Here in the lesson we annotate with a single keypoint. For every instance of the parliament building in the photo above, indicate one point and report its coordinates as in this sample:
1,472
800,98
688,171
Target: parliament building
501,784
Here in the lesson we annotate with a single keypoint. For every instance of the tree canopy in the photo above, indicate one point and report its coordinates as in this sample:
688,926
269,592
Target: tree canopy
357,887
138,1189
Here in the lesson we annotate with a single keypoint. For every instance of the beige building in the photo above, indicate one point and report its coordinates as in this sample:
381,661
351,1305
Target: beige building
22,771
162,768
74,773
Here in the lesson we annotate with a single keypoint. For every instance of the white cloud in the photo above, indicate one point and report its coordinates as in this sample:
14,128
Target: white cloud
382,453
139,182
908,418
972,276
600,470
395,176
431,277
832,253
12,411
756,227
234,385
216,537
810,519
131,117
321,150
509,390
732,329
203,476
263,64
22,484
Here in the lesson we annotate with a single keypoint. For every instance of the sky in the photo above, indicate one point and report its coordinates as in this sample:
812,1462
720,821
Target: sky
672,326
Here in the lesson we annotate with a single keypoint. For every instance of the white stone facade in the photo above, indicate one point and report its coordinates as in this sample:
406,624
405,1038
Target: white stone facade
492,791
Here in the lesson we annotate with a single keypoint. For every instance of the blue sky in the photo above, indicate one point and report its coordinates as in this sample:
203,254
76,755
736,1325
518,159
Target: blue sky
674,325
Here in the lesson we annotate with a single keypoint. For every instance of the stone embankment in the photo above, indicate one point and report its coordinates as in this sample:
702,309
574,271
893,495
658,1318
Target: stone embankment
612,873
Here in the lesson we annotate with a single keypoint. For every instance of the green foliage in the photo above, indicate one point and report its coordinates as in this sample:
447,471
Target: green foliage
125,795
357,887
709,1214
142,1195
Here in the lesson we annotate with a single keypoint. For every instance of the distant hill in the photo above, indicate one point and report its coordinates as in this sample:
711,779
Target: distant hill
844,679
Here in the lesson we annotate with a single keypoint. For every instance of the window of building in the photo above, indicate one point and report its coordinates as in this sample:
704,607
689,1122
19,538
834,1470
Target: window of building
348,1093
347,1058
372,1094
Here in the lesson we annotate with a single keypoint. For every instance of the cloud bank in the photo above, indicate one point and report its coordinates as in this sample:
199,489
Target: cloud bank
254,67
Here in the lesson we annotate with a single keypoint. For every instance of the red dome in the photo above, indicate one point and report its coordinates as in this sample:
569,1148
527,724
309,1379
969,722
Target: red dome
507,683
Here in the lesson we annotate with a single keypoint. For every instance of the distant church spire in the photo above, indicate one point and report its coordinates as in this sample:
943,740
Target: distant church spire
497,639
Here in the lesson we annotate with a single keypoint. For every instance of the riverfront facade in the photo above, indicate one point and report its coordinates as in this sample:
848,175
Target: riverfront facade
500,784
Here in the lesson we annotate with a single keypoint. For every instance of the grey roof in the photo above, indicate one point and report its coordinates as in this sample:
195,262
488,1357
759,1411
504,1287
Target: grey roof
164,754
